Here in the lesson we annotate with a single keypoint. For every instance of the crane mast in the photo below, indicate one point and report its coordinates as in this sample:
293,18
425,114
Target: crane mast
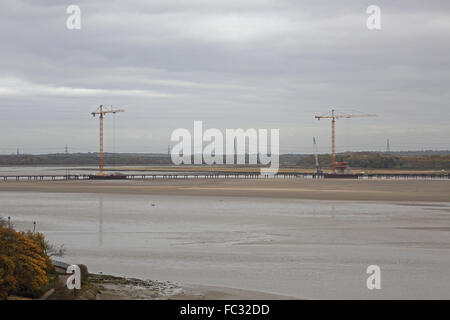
334,115
101,114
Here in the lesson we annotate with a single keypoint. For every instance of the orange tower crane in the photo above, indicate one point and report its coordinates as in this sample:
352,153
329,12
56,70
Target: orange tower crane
101,114
333,115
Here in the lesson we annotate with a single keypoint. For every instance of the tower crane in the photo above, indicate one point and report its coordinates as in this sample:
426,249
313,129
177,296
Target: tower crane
101,114
333,115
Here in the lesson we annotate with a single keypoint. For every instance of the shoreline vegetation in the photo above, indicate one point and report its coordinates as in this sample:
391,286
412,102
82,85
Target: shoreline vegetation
25,266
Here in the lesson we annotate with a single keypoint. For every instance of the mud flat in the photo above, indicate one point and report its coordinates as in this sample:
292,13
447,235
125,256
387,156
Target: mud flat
165,290
108,287
365,190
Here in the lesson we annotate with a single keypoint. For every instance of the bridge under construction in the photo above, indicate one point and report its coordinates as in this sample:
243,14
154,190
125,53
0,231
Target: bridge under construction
223,175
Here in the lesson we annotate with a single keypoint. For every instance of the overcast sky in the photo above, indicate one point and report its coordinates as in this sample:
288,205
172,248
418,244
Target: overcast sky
231,64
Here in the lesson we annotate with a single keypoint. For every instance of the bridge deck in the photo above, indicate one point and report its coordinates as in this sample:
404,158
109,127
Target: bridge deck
221,175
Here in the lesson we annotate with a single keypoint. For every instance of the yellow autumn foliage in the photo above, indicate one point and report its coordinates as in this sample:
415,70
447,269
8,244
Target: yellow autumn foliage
24,266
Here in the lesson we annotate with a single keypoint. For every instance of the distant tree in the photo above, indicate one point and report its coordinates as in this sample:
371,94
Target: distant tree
376,160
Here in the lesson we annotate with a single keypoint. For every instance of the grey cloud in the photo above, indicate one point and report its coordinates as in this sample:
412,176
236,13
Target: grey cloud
229,63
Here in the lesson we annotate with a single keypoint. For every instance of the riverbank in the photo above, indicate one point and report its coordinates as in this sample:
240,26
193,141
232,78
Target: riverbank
108,287
333,189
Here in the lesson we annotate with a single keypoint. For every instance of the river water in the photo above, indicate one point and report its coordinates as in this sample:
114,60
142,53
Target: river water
300,248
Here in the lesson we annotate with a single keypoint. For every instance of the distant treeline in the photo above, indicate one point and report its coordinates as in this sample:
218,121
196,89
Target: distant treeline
84,159
110,159
375,160
364,160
